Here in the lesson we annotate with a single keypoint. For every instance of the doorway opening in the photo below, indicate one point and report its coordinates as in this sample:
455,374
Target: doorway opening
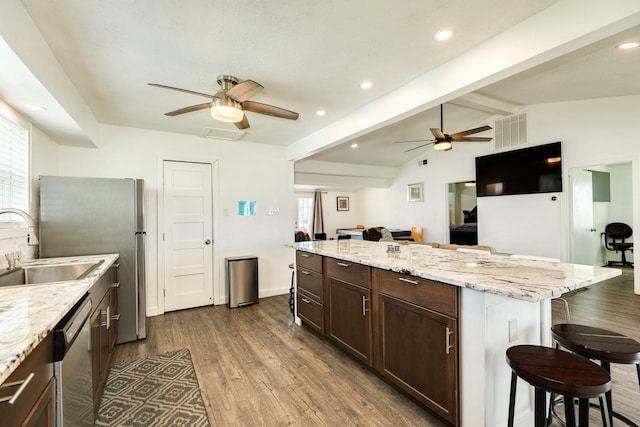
463,213
600,195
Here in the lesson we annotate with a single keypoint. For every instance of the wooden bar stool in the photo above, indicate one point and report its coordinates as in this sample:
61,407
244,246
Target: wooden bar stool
560,372
600,344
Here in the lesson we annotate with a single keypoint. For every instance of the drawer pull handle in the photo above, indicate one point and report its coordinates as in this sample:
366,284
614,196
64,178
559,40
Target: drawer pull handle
305,255
116,265
364,305
115,317
448,344
413,282
115,285
23,384
343,264
304,272
306,301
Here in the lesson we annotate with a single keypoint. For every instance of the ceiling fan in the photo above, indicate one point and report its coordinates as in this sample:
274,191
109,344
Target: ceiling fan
443,141
231,101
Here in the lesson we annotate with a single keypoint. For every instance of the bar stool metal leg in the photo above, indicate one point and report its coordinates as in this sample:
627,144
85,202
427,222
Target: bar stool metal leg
512,398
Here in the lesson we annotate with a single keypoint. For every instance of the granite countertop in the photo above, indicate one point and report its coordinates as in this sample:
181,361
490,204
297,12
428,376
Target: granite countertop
29,312
528,280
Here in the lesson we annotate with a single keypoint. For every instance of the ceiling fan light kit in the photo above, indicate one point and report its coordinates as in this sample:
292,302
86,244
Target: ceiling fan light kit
226,110
442,146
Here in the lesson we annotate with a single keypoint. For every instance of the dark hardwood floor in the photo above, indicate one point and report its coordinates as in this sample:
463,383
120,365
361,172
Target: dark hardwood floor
256,368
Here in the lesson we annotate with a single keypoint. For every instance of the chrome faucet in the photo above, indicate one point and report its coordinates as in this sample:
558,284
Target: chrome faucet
32,239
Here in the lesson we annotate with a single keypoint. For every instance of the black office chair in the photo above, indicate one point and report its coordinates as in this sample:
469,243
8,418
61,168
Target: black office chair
614,235
320,236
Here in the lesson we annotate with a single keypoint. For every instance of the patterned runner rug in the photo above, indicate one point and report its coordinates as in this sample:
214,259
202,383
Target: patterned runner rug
157,391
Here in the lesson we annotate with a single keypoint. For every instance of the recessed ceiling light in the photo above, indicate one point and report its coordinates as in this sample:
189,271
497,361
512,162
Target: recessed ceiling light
366,85
443,35
628,45
354,145
321,113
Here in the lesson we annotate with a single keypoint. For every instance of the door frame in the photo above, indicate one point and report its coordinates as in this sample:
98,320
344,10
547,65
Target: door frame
218,272
618,158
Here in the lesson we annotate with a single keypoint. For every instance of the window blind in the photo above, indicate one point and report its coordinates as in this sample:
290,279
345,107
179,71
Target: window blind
14,167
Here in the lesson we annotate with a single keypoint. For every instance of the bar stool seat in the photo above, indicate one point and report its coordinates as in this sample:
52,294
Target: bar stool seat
603,345
561,372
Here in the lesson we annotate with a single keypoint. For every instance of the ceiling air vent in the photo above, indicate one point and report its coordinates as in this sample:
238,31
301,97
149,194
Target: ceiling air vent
215,133
511,131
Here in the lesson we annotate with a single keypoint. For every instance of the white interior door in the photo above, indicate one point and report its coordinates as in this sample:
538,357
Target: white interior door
584,235
188,274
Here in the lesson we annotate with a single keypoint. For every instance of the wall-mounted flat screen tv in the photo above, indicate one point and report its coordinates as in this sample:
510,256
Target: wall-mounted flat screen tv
526,171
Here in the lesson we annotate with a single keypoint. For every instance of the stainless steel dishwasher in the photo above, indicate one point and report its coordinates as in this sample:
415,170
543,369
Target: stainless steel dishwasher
72,367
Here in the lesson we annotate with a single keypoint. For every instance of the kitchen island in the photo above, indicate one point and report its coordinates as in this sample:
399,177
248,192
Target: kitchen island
28,313
485,303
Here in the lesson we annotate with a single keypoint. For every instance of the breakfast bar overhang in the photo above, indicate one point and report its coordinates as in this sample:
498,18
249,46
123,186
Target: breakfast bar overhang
504,301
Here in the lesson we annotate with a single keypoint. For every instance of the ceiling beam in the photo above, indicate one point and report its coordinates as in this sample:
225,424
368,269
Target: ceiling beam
484,103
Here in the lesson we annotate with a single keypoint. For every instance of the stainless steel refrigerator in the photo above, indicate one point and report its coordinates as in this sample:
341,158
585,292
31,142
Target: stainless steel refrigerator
89,216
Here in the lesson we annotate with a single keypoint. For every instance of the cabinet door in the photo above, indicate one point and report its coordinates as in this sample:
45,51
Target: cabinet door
43,412
418,352
350,318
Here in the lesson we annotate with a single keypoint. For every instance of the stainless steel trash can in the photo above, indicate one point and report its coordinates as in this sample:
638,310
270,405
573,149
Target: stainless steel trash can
242,280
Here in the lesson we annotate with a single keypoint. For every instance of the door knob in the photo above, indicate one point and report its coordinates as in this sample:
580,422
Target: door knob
207,242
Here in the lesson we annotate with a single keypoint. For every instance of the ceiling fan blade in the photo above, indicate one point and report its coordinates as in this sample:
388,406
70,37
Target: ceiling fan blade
206,95
269,110
414,140
243,124
419,146
438,133
457,135
188,109
474,138
244,90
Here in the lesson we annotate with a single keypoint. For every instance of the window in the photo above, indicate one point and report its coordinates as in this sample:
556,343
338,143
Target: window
305,209
14,167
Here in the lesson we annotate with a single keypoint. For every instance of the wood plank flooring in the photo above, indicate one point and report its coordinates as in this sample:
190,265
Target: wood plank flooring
256,368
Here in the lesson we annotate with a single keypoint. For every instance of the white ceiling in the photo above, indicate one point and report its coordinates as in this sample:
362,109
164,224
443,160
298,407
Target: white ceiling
307,55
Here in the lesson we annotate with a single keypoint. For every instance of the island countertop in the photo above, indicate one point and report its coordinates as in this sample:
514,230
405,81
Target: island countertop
29,312
528,280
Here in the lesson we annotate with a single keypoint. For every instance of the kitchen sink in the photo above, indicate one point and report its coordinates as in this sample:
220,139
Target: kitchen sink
34,274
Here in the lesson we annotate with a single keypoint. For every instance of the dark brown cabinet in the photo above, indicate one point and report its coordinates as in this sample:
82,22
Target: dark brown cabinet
310,290
32,386
404,327
417,343
103,320
349,307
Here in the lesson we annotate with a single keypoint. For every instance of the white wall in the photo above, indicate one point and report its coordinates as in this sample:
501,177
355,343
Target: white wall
246,171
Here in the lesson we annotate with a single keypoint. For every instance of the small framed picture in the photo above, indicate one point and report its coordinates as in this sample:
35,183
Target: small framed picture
343,203
414,192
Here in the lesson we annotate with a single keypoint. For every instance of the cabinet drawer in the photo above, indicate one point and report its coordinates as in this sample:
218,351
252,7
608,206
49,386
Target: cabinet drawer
311,312
350,272
436,296
40,364
309,261
311,283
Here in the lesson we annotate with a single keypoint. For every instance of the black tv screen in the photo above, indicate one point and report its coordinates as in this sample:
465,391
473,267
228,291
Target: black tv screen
526,171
